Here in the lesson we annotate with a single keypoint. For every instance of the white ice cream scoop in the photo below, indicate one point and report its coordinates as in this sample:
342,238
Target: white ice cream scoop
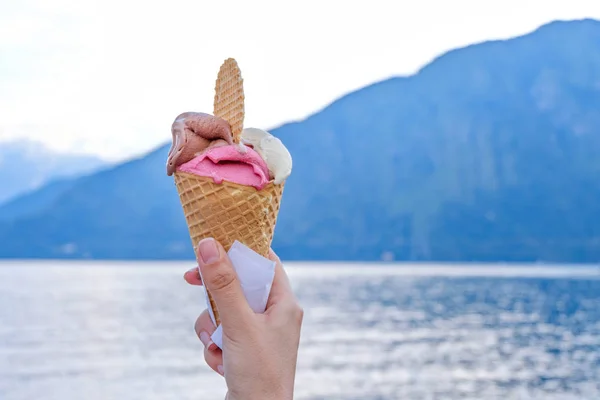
272,151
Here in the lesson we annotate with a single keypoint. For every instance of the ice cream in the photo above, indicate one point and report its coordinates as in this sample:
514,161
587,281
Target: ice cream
272,151
230,183
194,132
230,163
203,145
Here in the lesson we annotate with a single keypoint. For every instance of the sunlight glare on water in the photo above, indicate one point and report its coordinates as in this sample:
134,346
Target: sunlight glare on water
125,331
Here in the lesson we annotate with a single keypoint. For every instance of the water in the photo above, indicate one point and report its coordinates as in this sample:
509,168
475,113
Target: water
125,331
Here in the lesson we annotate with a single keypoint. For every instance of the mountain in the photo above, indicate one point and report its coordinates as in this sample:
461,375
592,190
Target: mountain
26,165
489,153
35,201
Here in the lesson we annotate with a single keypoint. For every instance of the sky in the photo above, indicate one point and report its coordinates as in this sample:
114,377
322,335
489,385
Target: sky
108,77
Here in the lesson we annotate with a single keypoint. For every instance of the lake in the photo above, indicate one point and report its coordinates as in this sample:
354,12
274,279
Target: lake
125,331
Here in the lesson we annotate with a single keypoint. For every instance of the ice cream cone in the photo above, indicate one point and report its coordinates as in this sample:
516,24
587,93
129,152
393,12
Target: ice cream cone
227,211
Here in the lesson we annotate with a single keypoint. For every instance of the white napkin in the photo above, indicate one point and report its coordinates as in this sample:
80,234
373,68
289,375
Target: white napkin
255,274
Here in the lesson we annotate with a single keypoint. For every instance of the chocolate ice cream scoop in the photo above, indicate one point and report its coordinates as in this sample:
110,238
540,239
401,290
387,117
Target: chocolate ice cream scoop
193,133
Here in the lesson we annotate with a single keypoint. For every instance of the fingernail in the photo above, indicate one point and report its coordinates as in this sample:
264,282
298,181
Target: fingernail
208,251
205,339
220,370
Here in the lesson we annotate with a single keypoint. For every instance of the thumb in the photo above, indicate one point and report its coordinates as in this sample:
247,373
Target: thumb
222,282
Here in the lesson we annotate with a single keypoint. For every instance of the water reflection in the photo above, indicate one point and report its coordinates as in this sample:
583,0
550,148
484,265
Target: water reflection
125,332
452,337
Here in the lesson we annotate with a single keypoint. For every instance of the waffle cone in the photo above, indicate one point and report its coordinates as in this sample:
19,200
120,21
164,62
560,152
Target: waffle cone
229,97
228,212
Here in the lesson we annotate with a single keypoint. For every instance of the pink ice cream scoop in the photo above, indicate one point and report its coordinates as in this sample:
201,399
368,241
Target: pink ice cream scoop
233,163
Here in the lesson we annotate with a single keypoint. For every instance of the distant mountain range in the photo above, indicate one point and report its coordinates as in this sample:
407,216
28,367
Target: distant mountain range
489,153
26,165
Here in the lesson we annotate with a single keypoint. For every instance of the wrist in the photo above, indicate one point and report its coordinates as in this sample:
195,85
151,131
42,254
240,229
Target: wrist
271,395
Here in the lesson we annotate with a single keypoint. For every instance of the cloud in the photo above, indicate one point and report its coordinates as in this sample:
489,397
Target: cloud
108,77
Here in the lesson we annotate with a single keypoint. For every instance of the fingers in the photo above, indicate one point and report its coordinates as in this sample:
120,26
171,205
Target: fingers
193,277
212,354
282,301
204,329
219,277
281,290
214,359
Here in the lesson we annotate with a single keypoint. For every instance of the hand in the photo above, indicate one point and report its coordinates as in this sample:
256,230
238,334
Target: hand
259,350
